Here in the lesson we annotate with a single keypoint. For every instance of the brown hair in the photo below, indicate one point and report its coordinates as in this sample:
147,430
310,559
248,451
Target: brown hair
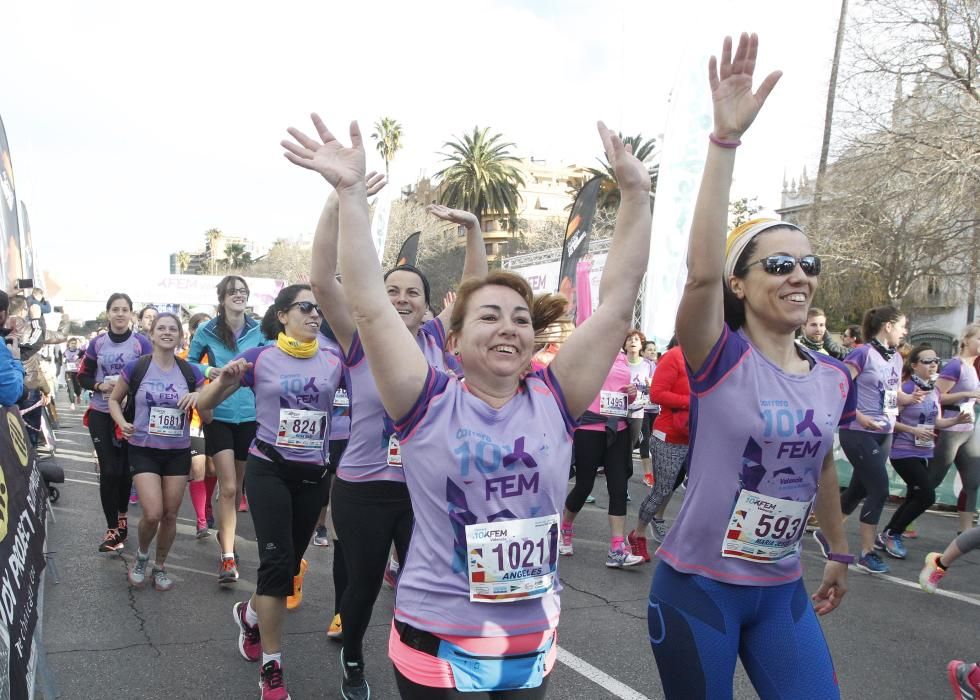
221,328
639,334
813,312
167,314
876,318
545,308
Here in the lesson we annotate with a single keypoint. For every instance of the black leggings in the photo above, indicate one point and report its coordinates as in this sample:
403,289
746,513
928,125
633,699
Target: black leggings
115,479
591,452
339,570
921,494
409,690
74,388
368,516
867,453
646,430
284,501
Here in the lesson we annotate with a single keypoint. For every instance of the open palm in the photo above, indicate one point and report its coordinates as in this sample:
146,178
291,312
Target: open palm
342,167
631,173
735,105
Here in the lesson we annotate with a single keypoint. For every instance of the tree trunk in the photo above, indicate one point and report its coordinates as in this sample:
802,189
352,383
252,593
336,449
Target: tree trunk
828,118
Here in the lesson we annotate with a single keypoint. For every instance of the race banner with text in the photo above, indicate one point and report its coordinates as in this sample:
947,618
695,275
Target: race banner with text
409,252
576,245
10,256
22,531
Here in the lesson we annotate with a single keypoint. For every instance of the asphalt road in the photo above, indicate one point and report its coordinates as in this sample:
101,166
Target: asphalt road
889,639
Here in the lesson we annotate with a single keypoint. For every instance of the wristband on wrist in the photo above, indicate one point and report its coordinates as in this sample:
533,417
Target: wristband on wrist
207,372
722,142
841,558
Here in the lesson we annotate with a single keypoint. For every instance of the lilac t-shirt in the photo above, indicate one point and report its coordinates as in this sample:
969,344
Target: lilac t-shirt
164,389
73,357
110,358
915,414
293,401
640,376
467,463
759,429
367,455
876,377
964,378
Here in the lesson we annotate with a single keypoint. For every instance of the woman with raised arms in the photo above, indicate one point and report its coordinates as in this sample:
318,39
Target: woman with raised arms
763,412
485,458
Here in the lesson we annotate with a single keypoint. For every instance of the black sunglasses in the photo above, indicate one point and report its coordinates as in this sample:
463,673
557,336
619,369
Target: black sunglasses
307,307
931,361
784,264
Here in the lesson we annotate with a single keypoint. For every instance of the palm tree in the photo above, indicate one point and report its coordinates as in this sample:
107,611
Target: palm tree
213,235
481,176
645,150
237,257
183,261
388,134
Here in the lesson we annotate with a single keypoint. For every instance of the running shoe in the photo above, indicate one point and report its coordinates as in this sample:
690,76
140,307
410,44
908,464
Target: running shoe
811,523
648,480
271,682
161,580
228,571
391,573
137,574
209,516
657,529
622,558
872,564
819,538
638,545
959,674
133,498
293,601
249,641
565,548
335,631
110,542
243,506
321,536
931,574
72,406
353,686
891,544
590,498
910,532
202,531
122,528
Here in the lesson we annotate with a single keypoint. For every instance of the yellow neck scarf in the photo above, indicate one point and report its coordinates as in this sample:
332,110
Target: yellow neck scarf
296,348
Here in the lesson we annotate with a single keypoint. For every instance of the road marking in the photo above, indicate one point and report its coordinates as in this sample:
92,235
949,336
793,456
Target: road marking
81,481
600,678
79,453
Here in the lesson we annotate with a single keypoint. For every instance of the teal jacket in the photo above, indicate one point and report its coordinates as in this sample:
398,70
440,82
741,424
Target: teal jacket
240,406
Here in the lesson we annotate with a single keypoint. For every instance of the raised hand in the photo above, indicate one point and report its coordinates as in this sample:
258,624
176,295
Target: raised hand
342,167
735,105
456,216
375,182
631,174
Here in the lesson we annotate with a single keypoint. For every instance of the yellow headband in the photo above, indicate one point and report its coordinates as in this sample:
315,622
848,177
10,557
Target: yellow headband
742,235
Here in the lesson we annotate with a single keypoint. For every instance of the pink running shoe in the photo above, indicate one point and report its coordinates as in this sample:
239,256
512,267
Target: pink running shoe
249,642
931,574
272,683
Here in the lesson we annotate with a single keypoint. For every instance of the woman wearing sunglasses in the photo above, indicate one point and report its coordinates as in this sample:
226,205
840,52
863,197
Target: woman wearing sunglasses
959,389
763,413
228,436
913,446
293,381
876,368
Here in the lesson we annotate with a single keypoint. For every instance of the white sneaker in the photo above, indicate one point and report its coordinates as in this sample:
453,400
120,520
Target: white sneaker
565,544
621,558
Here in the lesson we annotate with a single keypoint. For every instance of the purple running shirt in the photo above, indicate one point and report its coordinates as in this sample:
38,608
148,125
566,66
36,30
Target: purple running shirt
110,358
964,376
877,382
371,453
293,401
915,414
758,440
467,463
158,422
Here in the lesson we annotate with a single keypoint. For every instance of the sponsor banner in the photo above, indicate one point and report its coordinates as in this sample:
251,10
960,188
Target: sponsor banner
28,254
543,277
23,499
578,231
410,250
10,256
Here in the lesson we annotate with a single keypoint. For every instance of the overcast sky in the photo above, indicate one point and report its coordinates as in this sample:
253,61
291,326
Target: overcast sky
133,130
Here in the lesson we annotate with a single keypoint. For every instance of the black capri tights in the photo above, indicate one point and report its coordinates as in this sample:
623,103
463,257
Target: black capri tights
592,451
115,478
867,453
285,502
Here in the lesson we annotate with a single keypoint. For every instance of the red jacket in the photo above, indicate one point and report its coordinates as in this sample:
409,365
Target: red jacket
671,389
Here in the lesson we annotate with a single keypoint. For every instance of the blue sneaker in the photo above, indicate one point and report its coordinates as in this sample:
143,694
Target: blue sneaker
891,544
872,564
818,536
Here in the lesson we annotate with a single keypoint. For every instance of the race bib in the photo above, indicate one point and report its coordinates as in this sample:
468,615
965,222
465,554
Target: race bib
341,399
394,452
967,407
71,366
110,378
301,429
613,403
166,422
891,403
764,529
919,442
512,560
